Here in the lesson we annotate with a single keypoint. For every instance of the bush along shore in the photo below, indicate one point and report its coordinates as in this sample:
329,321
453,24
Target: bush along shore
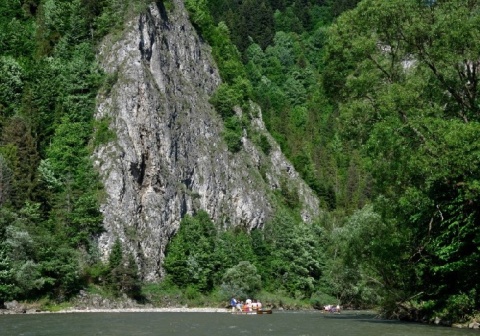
87,302
152,299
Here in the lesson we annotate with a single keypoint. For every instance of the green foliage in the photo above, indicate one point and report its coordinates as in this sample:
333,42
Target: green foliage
95,273
294,262
265,144
232,246
47,175
233,134
255,22
20,149
226,54
320,299
116,255
296,112
225,99
8,291
200,15
400,71
290,194
236,91
38,263
169,4
121,272
49,81
285,257
111,16
191,293
261,140
6,177
241,281
161,294
109,81
189,257
367,250
298,116
459,307
287,21
11,85
59,268
77,204
17,29
103,134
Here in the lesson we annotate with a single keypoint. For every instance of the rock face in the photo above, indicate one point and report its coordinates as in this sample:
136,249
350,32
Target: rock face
168,158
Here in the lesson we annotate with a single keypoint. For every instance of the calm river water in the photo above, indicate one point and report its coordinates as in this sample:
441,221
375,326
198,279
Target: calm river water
213,324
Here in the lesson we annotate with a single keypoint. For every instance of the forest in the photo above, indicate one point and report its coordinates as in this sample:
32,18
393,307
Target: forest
374,102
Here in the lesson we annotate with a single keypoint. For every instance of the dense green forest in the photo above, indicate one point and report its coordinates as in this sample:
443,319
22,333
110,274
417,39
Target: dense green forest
374,102
49,192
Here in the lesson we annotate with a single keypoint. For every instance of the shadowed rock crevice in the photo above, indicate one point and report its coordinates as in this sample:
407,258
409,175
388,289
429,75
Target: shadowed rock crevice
163,12
138,169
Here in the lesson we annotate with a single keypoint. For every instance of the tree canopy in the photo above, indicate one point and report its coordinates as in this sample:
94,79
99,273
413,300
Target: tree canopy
404,74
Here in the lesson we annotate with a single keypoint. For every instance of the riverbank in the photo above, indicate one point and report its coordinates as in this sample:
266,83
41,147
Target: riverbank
22,308
94,303
146,310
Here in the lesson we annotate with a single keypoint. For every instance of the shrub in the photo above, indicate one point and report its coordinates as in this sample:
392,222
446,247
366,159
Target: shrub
320,299
241,281
264,144
225,99
233,134
103,134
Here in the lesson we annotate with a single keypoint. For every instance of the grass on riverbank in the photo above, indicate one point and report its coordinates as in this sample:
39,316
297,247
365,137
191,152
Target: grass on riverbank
164,295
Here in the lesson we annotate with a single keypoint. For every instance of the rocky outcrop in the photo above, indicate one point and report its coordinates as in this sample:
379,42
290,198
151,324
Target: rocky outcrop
15,307
90,301
168,158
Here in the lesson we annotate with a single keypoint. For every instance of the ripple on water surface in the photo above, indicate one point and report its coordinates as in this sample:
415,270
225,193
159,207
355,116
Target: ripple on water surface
280,323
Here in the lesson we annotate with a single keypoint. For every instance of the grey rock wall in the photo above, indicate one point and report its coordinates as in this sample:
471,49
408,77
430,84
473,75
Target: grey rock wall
168,158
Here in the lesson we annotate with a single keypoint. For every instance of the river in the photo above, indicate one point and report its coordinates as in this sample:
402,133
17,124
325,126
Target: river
280,323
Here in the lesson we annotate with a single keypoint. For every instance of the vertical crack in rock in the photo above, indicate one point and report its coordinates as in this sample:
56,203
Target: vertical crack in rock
146,26
163,13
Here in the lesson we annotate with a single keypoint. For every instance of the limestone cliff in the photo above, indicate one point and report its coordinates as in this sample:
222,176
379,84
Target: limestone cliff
168,158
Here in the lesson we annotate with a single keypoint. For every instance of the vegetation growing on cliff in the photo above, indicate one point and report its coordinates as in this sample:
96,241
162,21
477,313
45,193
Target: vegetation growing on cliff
374,102
378,112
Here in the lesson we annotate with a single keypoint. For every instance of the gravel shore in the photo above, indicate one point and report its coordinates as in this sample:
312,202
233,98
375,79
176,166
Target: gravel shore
147,310
122,306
